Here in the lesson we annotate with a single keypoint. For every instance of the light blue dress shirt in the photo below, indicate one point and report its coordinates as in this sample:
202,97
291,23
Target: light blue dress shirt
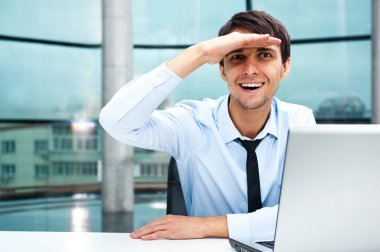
201,136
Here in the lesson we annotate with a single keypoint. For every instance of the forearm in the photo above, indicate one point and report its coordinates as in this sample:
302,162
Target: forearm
188,61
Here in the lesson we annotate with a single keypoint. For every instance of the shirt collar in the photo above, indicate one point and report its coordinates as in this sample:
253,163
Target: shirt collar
228,130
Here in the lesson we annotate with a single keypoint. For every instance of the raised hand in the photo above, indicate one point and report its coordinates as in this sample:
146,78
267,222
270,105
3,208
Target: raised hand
215,49
212,51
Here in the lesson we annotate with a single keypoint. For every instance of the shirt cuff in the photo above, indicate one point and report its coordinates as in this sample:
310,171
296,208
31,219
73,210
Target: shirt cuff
238,226
256,226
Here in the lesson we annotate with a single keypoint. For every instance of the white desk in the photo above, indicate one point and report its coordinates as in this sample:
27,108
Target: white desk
101,242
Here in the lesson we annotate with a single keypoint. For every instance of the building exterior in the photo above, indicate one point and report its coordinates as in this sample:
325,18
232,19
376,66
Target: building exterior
36,158
64,158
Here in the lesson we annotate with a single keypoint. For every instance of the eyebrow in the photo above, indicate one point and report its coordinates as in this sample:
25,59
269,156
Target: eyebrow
265,49
234,51
258,49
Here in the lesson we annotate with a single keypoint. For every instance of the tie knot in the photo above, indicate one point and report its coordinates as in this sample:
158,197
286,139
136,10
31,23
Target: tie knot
250,146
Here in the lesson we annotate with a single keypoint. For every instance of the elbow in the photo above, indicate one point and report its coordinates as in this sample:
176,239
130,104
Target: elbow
110,123
104,120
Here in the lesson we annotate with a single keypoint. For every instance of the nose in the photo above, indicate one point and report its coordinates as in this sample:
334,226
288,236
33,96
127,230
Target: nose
250,67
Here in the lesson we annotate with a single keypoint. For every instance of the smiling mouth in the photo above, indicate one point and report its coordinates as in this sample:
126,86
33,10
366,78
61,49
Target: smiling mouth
251,86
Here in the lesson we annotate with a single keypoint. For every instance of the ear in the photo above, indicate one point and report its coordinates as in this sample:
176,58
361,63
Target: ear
221,71
286,68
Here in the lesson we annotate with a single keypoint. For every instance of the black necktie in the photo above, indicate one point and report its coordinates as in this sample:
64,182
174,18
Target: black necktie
253,180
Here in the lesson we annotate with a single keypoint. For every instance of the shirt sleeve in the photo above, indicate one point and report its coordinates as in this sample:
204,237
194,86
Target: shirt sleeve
257,226
136,100
131,116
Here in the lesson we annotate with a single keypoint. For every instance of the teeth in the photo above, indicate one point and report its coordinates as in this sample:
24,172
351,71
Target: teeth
251,85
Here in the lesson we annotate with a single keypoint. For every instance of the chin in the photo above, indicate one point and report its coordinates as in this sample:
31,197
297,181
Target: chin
253,104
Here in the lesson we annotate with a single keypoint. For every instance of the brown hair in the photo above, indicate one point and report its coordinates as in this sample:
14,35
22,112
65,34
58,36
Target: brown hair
259,22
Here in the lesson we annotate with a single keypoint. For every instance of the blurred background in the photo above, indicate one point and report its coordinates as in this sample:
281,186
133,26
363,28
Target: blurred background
52,88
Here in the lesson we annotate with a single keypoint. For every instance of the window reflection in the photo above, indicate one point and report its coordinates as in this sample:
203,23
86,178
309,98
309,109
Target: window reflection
79,220
8,172
325,77
8,146
49,158
320,19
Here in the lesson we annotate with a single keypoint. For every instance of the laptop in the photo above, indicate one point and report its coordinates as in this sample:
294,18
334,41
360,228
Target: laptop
330,197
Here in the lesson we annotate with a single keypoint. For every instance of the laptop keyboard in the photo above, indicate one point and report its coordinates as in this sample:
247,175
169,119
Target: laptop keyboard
268,244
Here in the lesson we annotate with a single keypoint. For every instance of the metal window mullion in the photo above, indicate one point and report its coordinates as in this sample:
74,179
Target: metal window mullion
375,62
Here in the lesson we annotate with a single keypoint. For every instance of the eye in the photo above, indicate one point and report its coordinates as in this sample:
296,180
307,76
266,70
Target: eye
237,56
265,55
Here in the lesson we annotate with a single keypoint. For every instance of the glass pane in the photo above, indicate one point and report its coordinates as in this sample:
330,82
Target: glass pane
334,79
50,171
323,18
54,164
47,184
204,82
180,22
60,20
49,82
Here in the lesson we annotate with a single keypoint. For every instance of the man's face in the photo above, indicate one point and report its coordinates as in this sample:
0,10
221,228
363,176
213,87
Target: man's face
253,75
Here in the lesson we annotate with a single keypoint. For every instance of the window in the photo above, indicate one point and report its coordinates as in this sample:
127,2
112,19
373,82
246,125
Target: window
41,146
75,168
337,96
91,144
154,170
60,130
52,86
63,143
41,171
88,168
145,170
8,172
165,169
57,168
63,168
8,146
87,143
75,136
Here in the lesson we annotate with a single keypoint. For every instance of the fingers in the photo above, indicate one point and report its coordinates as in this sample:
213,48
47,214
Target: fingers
251,40
147,231
152,227
258,40
155,236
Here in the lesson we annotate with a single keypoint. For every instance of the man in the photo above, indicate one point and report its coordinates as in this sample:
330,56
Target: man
207,137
